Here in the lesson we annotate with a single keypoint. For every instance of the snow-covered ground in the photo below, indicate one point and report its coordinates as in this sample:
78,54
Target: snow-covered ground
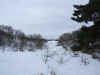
52,58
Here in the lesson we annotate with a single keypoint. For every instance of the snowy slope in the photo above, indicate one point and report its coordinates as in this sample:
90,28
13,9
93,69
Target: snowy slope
52,58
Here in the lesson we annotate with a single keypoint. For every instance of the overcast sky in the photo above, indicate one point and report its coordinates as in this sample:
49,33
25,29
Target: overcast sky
50,18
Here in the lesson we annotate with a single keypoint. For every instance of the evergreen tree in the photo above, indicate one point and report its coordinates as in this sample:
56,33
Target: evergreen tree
87,36
88,12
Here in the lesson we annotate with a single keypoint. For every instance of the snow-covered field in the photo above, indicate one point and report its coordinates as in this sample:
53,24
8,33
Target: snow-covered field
52,58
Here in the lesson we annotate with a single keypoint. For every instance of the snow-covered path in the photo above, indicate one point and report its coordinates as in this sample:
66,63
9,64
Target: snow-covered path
60,61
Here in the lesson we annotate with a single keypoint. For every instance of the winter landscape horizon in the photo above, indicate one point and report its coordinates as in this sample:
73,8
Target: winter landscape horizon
49,37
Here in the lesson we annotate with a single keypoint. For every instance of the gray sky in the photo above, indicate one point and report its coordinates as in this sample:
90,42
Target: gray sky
50,18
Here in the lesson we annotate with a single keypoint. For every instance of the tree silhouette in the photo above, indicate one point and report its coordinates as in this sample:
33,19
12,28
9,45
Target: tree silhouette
87,12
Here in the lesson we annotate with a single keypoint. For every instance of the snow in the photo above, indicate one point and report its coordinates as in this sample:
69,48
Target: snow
52,58
21,63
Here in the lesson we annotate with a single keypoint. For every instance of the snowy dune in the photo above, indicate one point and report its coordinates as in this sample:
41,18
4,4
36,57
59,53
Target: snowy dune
60,61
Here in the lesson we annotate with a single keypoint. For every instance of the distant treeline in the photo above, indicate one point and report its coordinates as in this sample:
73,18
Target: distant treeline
18,40
82,40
